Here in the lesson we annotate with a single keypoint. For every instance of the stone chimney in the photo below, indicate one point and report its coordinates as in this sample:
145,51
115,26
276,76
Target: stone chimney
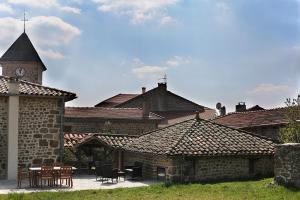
146,109
222,111
143,90
13,86
197,117
241,107
162,86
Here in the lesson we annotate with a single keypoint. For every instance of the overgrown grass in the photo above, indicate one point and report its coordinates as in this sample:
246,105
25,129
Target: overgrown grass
232,190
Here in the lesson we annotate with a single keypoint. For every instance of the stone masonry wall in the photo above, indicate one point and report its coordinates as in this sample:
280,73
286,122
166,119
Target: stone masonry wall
287,164
272,132
134,127
202,169
33,70
39,130
3,136
150,163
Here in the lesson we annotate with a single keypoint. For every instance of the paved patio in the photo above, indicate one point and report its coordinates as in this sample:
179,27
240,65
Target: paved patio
80,182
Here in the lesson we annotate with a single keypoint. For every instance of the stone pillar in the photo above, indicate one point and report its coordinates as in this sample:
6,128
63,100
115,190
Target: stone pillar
13,129
287,164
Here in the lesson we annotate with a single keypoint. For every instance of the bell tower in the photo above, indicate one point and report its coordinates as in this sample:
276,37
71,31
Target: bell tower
22,60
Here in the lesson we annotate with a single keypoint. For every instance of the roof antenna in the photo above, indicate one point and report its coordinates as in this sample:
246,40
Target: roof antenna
164,79
24,20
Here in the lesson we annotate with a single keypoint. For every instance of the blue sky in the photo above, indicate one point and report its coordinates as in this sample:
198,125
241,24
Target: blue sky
211,50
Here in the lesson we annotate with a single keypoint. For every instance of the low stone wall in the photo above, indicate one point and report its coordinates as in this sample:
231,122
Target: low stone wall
287,164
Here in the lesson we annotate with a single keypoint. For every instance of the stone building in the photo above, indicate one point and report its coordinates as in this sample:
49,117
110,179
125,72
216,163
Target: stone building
199,150
31,125
195,150
264,122
125,121
159,100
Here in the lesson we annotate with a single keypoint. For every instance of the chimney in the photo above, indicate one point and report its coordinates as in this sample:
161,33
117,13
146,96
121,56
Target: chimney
143,90
222,111
146,110
197,117
241,107
13,86
162,86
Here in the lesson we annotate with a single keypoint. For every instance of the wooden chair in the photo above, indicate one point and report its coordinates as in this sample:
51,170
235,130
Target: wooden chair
22,175
65,173
47,175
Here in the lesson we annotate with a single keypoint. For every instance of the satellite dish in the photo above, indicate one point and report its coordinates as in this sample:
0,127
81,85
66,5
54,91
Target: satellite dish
218,106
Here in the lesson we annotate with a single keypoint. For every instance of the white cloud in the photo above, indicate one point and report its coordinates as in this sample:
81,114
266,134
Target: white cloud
267,88
45,4
51,54
145,71
268,94
177,60
6,8
48,33
138,10
223,13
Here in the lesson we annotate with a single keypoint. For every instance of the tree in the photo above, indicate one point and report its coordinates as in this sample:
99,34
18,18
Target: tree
291,132
108,127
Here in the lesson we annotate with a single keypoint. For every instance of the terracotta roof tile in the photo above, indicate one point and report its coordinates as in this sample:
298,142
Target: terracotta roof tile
108,113
32,89
254,118
201,138
113,141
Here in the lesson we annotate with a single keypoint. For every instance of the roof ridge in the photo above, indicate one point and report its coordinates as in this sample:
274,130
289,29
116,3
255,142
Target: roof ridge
254,111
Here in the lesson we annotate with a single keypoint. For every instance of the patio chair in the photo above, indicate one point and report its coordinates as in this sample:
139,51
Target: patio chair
135,171
98,172
22,175
65,173
109,173
46,175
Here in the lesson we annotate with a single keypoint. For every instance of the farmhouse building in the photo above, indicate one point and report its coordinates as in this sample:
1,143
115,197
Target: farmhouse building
162,102
264,122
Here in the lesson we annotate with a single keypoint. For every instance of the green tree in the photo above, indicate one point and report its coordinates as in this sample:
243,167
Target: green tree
291,132
108,127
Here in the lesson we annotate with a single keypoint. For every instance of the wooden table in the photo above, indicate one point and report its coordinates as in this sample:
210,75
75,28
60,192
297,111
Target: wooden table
34,171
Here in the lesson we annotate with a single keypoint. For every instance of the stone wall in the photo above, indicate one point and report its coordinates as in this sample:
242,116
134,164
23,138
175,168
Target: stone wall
272,132
3,136
129,127
150,163
287,164
33,70
39,130
203,169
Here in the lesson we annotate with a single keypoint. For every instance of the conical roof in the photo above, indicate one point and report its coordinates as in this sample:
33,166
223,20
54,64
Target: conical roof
22,50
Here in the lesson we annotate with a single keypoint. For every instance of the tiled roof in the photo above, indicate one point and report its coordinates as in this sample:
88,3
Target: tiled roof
275,116
32,89
22,50
198,137
108,113
116,100
112,141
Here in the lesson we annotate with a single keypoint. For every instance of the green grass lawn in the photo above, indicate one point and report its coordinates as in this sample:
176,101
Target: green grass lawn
232,190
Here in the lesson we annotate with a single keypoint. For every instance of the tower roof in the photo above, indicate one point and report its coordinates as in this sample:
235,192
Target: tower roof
22,50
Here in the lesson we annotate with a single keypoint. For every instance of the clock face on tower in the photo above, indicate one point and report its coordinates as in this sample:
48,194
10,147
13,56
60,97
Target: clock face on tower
20,72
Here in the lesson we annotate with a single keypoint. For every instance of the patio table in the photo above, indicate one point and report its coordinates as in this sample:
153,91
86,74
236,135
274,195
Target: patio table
36,170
